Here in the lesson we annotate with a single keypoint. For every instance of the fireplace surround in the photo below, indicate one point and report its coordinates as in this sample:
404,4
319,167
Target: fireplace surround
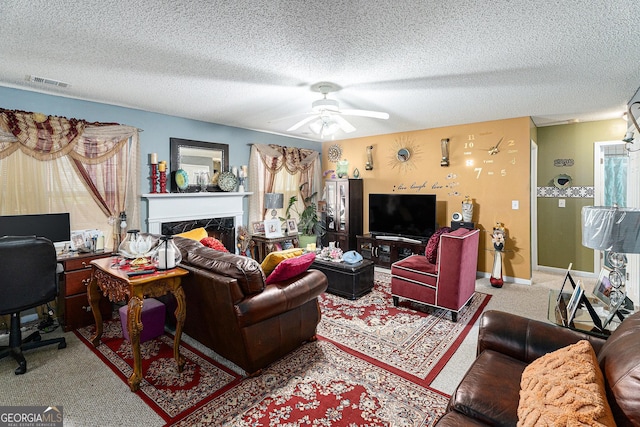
220,213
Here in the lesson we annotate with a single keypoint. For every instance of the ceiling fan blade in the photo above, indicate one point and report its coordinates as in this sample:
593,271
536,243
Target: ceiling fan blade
366,113
344,125
302,123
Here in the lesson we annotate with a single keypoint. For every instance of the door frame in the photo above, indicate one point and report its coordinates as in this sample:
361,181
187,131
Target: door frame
633,200
533,173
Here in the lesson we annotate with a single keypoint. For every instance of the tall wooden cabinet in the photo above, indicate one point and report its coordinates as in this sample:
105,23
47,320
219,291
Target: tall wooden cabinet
344,204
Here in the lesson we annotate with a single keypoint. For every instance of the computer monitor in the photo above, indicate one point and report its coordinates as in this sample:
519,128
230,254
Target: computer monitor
55,226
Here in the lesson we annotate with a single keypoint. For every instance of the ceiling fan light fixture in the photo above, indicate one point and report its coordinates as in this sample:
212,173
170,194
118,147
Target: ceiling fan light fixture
324,126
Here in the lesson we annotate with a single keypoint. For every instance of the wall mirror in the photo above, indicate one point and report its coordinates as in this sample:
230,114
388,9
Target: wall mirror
201,161
562,181
403,154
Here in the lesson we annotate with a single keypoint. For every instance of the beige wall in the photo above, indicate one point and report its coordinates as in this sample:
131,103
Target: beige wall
559,229
493,182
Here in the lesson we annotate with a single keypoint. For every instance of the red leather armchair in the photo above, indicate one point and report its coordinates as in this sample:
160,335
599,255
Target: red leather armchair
449,283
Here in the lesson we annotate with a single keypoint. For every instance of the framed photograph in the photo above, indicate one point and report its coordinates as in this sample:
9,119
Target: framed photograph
258,227
603,286
78,242
574,302
567,278
292,226
272,228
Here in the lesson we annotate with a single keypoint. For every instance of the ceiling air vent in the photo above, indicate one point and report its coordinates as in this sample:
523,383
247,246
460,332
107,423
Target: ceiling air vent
45,81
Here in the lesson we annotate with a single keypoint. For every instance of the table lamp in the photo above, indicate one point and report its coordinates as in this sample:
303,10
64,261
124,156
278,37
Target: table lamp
273,201
616,230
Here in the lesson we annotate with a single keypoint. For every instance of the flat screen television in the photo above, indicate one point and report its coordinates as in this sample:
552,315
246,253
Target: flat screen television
403,215
55,227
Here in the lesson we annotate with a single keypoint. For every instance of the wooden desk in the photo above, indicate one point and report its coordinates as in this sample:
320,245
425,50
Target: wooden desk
117,286
265,245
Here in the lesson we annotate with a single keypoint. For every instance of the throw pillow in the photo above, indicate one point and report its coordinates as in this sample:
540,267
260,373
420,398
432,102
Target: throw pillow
431,252
213,243
291,267
565,387
272,259
195,234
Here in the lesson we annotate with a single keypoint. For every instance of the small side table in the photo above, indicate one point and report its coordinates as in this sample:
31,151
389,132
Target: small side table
265,245
582,321
117,286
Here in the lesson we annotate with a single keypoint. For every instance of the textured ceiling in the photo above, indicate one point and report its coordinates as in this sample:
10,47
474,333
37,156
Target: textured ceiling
251,63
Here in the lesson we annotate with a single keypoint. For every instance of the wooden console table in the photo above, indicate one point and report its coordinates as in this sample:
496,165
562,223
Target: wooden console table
266,245
117,286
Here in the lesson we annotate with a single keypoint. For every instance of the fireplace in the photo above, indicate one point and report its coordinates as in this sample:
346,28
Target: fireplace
220,213
222,229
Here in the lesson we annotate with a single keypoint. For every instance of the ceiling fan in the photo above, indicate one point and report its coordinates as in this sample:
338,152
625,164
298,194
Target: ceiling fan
326,118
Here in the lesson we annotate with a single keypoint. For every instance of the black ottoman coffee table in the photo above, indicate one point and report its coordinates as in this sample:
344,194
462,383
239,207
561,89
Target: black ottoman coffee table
347,280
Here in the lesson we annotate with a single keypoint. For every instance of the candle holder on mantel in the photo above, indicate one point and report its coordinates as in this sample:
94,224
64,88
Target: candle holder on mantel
163,181
162,166
154,177
153,161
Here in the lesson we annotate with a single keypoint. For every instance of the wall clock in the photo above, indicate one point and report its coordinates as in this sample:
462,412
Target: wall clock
483,150
403,153
334,153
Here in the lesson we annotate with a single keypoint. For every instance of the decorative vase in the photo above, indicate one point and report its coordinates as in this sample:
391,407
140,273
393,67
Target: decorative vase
343,168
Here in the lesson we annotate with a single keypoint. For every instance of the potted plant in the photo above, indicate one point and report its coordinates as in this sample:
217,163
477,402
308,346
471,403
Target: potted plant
309,224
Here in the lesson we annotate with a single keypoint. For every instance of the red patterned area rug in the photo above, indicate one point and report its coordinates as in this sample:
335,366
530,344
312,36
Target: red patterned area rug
411,339
170,393
320,384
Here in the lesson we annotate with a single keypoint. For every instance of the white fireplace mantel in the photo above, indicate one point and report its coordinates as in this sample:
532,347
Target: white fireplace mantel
174,207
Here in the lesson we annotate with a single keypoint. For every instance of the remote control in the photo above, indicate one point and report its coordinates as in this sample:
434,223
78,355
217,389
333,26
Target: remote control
140,272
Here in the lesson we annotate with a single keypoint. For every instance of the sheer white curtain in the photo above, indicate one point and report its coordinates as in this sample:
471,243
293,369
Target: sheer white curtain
30,186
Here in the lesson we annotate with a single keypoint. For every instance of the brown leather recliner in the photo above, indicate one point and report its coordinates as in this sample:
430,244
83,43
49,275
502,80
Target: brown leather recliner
232,311
489,392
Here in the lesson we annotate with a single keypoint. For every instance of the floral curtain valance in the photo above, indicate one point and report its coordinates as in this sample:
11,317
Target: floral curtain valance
275,157
50,137
105,155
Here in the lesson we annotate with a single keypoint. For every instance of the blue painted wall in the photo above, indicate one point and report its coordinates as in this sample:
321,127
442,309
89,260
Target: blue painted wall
158,128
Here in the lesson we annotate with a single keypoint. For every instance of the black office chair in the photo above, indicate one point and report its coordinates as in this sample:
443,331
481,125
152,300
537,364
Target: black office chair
28,278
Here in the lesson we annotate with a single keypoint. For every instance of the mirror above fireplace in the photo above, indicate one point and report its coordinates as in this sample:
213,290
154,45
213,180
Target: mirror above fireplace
198,159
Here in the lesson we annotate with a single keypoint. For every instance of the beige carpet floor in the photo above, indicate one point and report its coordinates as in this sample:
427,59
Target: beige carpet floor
92,395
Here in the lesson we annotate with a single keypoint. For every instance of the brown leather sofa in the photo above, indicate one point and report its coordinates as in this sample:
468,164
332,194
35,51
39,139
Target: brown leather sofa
489,392
232,311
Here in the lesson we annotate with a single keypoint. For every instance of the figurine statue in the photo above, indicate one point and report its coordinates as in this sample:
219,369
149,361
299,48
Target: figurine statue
498,239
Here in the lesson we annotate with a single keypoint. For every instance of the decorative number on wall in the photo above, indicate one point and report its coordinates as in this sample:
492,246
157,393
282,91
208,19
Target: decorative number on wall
486,149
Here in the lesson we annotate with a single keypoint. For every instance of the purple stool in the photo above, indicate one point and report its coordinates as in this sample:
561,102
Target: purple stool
152,320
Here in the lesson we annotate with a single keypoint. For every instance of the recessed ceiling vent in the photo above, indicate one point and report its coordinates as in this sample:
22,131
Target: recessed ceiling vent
45,81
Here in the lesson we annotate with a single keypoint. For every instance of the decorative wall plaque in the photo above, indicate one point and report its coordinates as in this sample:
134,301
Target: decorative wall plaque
563,162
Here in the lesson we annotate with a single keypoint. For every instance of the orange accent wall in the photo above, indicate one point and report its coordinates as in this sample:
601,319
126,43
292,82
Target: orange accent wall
491,181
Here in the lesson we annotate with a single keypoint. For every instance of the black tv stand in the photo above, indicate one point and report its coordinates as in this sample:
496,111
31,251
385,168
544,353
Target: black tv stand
385,250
